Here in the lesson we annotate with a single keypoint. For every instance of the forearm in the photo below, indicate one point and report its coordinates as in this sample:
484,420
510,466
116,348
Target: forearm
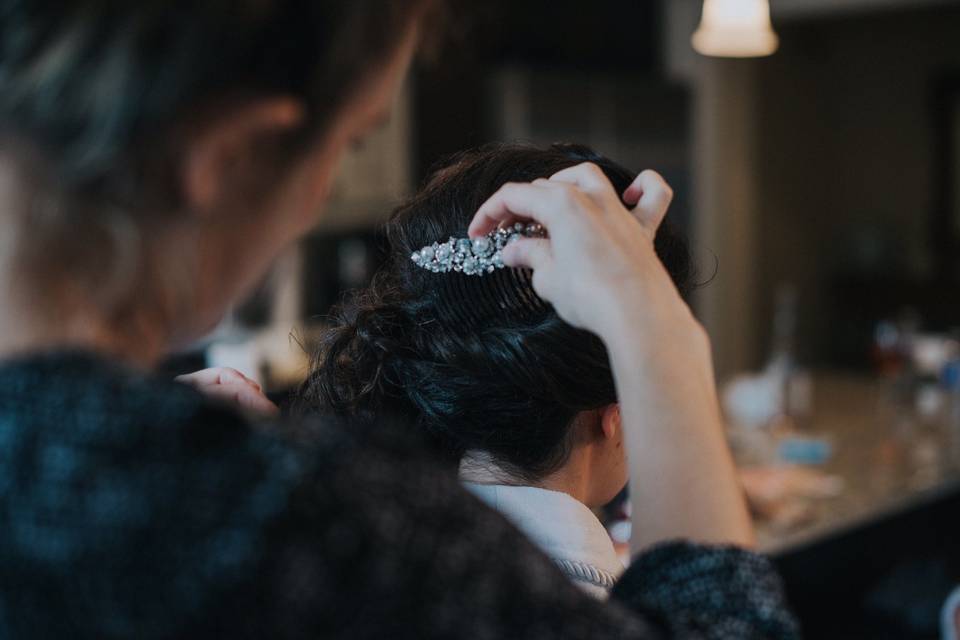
600,270
682,478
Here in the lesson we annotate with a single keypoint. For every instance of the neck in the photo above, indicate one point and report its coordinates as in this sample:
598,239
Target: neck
77,333
32,328
56,311
573,478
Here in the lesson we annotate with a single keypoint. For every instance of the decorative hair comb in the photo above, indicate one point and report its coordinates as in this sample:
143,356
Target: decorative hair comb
474,257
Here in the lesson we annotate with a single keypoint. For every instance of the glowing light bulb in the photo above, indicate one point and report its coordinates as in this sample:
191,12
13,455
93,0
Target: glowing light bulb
735,29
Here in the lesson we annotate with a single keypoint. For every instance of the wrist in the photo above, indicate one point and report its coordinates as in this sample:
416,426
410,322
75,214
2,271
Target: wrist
640,325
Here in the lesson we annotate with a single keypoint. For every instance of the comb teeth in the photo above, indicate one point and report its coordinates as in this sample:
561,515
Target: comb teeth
469,303
466,302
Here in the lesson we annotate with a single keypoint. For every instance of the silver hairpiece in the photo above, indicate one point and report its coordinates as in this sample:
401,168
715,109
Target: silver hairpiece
474,257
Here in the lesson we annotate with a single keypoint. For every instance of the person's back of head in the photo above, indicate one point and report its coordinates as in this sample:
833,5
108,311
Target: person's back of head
100,88
456,355
142,143
130,129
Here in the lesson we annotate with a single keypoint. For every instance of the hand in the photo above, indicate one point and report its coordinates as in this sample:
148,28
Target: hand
598,268
600,271
231,387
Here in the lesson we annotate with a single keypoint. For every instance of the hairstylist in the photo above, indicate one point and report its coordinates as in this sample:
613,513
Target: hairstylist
154,158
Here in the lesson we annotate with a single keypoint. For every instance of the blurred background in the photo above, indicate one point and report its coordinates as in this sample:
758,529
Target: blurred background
816,162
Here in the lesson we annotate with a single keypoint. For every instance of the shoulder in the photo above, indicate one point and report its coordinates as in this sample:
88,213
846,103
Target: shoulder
115,477
82,386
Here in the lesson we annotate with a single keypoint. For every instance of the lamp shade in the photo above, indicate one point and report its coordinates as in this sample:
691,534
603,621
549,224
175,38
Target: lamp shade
735,29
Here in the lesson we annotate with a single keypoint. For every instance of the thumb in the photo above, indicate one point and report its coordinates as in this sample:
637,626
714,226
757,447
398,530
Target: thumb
533,253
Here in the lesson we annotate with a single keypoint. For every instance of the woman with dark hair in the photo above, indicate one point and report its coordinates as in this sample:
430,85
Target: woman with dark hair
154,158
524,404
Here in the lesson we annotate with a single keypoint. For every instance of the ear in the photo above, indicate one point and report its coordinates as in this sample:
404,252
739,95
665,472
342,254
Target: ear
610,421
228,140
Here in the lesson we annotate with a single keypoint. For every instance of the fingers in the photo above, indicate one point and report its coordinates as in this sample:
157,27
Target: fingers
652,196
200,378
514,201
243,396
543,202
233,376
230,386
216,375
256,402
533,253
587,176
536,254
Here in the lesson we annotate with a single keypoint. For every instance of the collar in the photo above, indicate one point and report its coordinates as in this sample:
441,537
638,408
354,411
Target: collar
563,527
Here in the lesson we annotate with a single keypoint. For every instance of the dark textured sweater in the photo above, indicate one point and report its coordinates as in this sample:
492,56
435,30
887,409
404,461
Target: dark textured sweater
132,507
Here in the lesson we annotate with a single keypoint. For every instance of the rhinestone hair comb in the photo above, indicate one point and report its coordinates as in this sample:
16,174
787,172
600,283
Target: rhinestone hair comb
474,257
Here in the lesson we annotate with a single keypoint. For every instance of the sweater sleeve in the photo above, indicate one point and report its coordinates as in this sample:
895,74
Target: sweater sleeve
707,592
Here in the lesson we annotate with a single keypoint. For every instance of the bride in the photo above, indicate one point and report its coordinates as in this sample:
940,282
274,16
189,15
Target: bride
523,403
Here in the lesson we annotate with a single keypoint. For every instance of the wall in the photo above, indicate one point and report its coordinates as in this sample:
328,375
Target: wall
637,120
814,163
846,157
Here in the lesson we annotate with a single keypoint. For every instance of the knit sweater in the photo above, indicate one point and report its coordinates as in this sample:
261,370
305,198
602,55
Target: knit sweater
133,507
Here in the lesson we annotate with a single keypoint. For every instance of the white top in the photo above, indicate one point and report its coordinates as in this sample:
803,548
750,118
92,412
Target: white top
564,529
950,617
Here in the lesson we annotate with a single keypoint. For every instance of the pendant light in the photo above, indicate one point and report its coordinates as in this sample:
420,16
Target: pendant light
735,29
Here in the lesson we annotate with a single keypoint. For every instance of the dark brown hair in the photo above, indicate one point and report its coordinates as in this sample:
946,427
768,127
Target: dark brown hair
510,385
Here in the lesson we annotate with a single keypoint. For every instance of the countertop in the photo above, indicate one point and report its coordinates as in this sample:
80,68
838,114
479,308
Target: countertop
889,455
